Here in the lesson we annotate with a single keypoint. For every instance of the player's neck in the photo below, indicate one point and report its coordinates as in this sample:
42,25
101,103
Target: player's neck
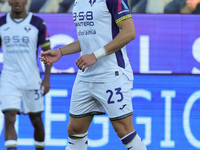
19,15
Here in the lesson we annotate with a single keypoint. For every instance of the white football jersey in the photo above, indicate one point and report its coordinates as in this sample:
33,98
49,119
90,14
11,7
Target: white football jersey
20,41
96,24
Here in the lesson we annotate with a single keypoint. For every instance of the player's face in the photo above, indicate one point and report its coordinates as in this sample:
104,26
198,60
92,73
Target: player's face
17,6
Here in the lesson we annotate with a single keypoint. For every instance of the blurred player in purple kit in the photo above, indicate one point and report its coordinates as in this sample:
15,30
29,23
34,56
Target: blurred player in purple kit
20,34
104,81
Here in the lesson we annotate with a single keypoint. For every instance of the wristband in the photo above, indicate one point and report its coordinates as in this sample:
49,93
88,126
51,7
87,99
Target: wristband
60,51
100,52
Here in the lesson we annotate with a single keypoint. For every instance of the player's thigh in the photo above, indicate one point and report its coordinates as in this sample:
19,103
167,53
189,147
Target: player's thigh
82,101
33,101
79,125
10,99
116,97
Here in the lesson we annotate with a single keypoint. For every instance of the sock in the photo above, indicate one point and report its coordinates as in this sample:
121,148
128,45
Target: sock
133,142
11,144
77,142
39,145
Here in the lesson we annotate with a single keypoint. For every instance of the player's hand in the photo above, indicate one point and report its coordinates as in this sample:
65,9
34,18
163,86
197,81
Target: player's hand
50,56
45,87
85,61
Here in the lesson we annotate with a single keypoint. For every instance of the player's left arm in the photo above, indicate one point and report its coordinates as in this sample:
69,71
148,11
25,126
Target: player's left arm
46,81
44,42
126,35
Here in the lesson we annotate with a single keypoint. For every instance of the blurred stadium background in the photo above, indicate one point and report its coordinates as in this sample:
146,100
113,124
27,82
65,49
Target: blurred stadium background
165,57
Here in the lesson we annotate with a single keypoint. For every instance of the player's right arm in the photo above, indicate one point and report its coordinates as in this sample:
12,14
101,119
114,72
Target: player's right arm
51,56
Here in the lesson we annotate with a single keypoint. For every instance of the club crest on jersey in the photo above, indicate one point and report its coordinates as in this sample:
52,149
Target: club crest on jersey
27,29
92,2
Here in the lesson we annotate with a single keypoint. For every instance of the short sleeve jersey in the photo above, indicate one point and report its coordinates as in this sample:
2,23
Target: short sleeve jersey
96,24
20,41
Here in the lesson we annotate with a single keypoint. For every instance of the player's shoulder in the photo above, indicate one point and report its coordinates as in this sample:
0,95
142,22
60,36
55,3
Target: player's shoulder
36,19
3,20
